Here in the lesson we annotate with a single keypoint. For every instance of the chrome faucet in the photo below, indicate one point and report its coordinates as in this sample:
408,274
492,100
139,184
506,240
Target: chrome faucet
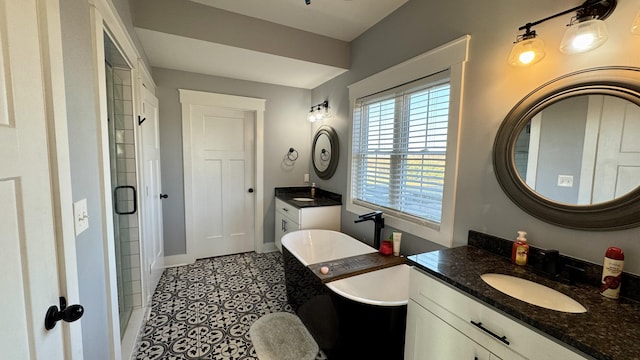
378,220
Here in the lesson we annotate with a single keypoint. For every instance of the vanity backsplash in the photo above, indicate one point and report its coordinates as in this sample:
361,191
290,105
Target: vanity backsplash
563,268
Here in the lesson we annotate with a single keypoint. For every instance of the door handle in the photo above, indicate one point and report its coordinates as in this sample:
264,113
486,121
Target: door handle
481,327
250,190
135,200
164,196
68,314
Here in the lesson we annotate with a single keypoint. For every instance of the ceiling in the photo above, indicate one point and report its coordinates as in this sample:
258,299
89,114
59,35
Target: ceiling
338,19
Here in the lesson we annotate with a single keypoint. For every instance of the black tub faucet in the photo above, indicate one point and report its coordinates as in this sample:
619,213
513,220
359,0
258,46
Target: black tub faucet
378,220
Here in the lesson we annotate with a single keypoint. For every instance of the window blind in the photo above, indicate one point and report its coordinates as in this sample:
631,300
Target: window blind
399,149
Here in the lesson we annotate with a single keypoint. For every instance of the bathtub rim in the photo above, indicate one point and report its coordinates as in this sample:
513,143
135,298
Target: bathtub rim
384,303
360,247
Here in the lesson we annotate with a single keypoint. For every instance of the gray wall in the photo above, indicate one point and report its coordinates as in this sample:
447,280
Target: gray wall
492,88
285,126
85,178
561,143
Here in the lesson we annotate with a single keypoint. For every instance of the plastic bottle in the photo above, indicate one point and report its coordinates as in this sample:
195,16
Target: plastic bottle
520,251
612,273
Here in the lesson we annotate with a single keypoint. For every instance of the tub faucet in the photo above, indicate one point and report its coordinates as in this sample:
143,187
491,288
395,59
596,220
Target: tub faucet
378,220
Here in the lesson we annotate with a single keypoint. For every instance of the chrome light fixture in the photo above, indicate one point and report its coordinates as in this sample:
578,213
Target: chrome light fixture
319,112
586,32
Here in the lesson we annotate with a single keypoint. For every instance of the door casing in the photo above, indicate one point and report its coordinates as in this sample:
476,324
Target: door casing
190,97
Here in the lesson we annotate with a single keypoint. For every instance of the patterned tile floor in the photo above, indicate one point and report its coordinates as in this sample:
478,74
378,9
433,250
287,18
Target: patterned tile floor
205,310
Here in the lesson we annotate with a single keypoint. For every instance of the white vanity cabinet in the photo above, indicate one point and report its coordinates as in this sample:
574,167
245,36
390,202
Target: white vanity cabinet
290,218
444,323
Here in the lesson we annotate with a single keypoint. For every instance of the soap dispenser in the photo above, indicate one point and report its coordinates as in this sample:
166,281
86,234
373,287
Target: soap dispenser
520,251
313,190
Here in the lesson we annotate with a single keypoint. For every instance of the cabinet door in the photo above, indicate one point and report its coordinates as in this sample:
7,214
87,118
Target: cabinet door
429,337
283,225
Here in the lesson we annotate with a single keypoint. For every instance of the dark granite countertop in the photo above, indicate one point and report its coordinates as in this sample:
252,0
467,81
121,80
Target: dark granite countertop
610,329
321,198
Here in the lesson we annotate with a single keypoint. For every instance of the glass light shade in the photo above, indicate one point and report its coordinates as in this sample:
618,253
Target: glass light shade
527,52
635,27
584,36
312,116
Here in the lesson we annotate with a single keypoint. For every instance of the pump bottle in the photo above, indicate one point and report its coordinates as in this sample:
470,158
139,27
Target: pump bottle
520,251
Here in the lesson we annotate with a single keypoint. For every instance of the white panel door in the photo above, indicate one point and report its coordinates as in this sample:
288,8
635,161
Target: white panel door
617,164
28,259
222,143
151,209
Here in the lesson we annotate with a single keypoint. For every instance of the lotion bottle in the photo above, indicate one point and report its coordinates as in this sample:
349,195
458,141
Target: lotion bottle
612,272
520,251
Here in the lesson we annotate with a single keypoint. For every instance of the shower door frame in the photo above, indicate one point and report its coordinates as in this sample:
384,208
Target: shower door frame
104,19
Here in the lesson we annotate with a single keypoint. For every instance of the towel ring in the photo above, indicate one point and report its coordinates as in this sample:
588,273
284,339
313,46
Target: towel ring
292,154
325,155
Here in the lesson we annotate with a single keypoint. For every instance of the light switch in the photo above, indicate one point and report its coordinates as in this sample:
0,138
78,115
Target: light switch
565,181
306,178
80,216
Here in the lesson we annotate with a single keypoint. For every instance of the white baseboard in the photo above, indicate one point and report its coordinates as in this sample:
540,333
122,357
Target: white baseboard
269,247
178,260
129,345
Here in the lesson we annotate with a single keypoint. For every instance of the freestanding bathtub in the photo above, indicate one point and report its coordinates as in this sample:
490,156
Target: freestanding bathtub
358,317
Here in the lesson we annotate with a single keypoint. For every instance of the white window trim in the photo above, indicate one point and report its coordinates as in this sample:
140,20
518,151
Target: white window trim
452,56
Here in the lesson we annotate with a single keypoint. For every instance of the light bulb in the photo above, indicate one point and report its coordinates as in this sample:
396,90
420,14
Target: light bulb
584,36
527,52
311,117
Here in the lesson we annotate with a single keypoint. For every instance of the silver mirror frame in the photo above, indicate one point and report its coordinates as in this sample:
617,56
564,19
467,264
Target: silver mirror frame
620,213
334,152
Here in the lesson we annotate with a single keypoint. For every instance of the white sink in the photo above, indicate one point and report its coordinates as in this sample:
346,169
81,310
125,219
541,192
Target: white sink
533,293
303,199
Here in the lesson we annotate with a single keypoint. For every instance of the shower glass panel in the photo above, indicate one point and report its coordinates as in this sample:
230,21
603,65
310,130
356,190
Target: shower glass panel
123,182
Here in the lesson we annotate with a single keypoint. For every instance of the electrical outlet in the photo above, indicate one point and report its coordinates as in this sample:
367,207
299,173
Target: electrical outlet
80,216
306,178
565,181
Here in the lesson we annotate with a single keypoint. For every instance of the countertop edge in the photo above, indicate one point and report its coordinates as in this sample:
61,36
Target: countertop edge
501,302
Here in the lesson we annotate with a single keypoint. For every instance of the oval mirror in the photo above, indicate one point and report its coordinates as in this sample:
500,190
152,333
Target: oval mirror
325,152
568,152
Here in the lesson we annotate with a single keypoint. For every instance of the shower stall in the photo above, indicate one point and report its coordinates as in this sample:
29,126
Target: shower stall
122,155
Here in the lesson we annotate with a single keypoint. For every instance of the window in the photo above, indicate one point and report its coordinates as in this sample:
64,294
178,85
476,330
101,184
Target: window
404,142
399,149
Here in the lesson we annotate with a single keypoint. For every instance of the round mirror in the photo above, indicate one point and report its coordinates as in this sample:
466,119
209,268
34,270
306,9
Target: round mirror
325,152
568,152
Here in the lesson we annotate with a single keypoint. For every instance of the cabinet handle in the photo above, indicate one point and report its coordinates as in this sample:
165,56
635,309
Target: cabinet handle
285,209
284,225
501,338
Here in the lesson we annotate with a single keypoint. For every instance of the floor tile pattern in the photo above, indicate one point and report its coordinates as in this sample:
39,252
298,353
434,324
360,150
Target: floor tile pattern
205,310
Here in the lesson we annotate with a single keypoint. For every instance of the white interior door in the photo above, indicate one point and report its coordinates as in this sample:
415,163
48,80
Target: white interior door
29,256
616,156
222,143
151,209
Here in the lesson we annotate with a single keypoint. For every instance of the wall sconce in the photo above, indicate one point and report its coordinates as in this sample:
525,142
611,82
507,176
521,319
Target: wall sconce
586,31
527,49
319,112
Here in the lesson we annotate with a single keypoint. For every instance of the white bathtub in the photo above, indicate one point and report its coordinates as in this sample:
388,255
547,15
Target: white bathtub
386,287
316,245
344,315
